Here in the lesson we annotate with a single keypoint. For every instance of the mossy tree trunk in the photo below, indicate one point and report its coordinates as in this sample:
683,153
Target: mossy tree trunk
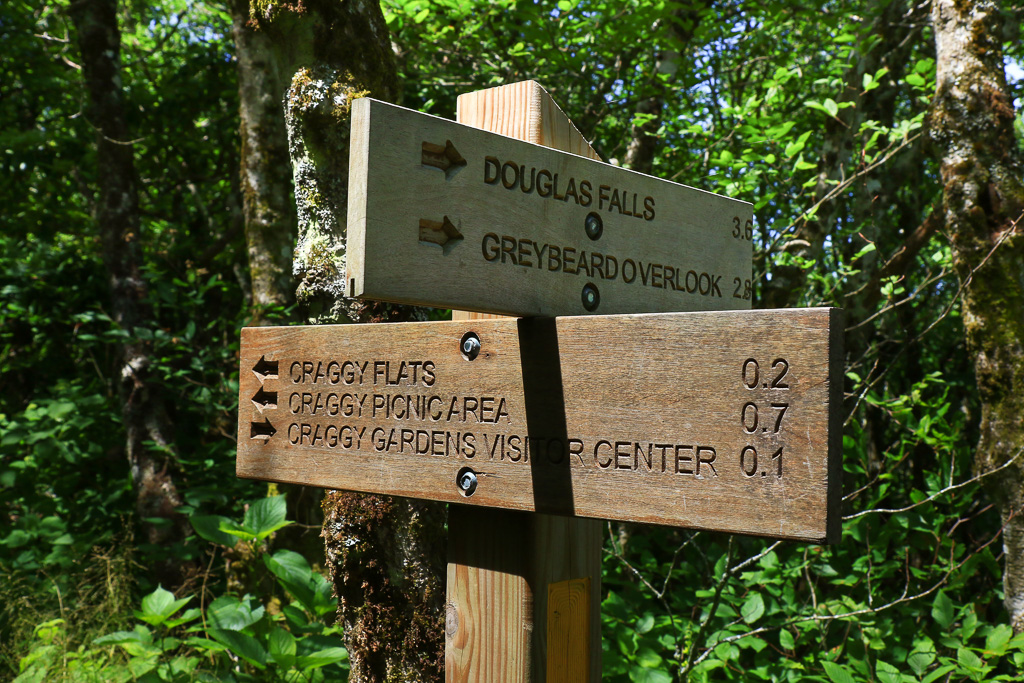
386,555
983,200
148,443
265,173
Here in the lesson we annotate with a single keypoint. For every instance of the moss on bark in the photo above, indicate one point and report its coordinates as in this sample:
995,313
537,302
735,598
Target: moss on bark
386,556
983,203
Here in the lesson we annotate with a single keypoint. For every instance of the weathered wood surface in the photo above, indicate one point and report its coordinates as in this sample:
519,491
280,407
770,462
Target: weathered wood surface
502,562
524,111
568,637
704,420
442,214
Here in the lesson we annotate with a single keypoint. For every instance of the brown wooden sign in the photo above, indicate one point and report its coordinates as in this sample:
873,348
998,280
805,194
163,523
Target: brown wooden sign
724,420
479,221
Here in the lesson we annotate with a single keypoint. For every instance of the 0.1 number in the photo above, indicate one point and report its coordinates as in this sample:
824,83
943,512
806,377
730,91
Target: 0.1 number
748,462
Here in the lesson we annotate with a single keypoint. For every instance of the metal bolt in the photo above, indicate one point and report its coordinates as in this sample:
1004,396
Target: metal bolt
466,481
591,297
470,345
593,225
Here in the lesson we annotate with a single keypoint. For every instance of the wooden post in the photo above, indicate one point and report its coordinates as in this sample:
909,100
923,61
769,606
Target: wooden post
522,584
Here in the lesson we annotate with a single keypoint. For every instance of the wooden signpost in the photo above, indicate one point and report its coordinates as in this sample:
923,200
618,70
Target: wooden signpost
721,418
645,418
529,230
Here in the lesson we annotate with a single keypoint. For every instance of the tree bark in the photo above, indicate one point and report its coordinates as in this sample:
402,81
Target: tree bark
643,143
983,200
117,217
265,172
386,555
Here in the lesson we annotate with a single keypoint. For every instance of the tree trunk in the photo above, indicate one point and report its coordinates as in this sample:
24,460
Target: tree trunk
983,200
386,555
265,171
117,215
683,22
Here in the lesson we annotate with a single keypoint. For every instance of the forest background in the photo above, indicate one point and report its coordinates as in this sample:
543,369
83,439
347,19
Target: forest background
150,152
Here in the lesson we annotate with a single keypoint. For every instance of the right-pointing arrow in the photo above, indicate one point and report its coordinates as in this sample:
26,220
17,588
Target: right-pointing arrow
442,233
261,430
446,158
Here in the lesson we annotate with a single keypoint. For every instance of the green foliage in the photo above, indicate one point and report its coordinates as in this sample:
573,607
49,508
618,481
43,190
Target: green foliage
230,639
812,111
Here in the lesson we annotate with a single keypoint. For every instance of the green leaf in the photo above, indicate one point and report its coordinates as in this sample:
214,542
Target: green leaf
320,658
942,609
209,527
915,79
159,605
968,659
920,659
243,645
797,146
648,658
938,673
232,614
282,647
837,673
120,638
645,623
887,673
265,516
997,639
830,106
786,640
638,674
753,608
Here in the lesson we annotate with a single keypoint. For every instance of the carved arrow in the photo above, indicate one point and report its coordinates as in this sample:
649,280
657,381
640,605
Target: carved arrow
265,369
446,158
261,430
264,399
442,233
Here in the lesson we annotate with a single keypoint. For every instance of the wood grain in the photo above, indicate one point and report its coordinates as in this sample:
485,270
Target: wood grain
644,418
524,111
439,216
547,548
568,636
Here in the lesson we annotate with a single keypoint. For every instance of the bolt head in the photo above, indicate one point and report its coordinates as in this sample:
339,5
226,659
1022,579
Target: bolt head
593,225
470,346
591,297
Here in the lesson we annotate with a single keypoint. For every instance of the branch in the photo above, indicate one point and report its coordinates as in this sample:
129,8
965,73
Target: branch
937,494
904,597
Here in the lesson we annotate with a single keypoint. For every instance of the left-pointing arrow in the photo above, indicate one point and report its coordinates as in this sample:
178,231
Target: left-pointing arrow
264,399
442,233
261,430
446,158
265,369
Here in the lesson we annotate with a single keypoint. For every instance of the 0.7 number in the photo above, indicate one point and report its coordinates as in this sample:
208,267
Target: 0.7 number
749,419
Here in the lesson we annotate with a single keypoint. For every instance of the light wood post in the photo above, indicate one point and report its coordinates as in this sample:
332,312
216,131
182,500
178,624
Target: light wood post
522,585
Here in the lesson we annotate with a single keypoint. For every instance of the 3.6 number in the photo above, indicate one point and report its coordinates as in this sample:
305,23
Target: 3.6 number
746,232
